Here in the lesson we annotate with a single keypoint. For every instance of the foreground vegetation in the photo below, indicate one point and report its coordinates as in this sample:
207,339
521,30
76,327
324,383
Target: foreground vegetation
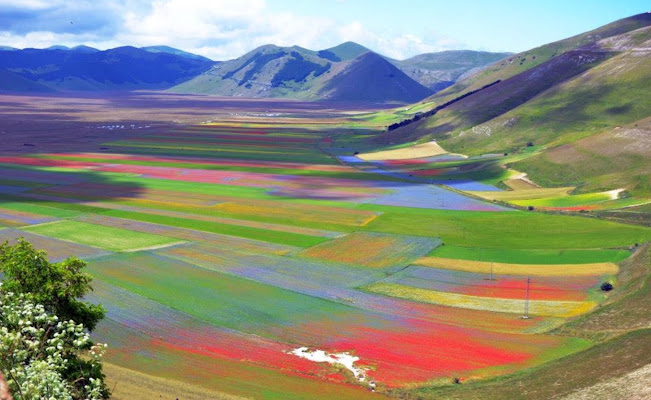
45,349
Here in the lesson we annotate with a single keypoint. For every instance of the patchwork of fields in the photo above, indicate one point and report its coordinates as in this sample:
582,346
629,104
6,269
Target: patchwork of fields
488,177
218,249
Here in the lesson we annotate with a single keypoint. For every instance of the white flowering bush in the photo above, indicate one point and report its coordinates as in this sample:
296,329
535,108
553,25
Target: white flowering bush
40,355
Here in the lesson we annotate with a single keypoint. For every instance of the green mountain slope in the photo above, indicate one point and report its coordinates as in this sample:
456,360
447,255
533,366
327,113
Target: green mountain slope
370,77
295,72
12,82
585,112
521,62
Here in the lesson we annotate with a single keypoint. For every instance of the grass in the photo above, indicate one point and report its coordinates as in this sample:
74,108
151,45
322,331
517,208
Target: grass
566,201
523,194
288,238
514,230
531,256
628,305
126,384
104,237
37,209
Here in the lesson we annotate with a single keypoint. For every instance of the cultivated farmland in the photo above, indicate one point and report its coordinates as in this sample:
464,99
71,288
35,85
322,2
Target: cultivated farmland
219,248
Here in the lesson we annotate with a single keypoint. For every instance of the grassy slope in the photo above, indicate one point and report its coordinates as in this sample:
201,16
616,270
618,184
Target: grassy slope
622,321
514,65
611,93
614,358
628,307
570,109
612,159
129,384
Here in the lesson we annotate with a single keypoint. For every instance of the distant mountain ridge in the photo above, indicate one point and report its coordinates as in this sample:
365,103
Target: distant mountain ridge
338,73
172,50
268,71
85,68
333,73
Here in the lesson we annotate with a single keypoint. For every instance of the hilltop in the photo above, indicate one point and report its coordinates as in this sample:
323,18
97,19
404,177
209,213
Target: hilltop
334,74
272,71
360,79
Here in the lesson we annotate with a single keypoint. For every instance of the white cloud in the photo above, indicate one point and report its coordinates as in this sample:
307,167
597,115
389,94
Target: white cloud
219,29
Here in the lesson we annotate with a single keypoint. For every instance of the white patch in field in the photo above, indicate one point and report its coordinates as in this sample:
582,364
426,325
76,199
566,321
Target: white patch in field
344,359
614,194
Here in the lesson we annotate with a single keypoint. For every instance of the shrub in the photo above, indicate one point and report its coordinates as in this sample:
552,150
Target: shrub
43,327
607,286
40,354
56,286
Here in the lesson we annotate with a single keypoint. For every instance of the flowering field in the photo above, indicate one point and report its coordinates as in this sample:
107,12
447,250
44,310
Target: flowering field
220,249
548,308
373,250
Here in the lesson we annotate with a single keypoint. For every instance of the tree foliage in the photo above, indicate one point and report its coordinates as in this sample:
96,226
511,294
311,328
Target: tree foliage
45,350
56,286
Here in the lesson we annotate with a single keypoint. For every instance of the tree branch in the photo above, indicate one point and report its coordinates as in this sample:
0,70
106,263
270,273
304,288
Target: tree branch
4,389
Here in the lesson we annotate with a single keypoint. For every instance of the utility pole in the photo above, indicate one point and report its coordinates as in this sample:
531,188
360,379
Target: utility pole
526,301
491,277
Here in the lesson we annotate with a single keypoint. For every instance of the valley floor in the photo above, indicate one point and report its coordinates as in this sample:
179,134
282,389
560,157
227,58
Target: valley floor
219,248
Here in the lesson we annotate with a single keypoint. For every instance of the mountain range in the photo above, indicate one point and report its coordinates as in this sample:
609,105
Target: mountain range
85,68
348,72
268,71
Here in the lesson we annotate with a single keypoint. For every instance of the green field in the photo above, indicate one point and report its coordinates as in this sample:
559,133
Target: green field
531,256
104,237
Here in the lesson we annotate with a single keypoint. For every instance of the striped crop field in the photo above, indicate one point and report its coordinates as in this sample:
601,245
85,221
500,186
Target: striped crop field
594,269
375,250
487,285
220,249
548,308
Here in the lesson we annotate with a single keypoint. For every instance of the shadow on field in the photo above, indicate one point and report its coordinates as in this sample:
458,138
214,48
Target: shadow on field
65,190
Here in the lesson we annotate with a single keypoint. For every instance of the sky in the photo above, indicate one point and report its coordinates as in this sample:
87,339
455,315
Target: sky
226,29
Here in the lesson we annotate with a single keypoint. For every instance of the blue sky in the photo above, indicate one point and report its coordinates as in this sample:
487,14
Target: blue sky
223,29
